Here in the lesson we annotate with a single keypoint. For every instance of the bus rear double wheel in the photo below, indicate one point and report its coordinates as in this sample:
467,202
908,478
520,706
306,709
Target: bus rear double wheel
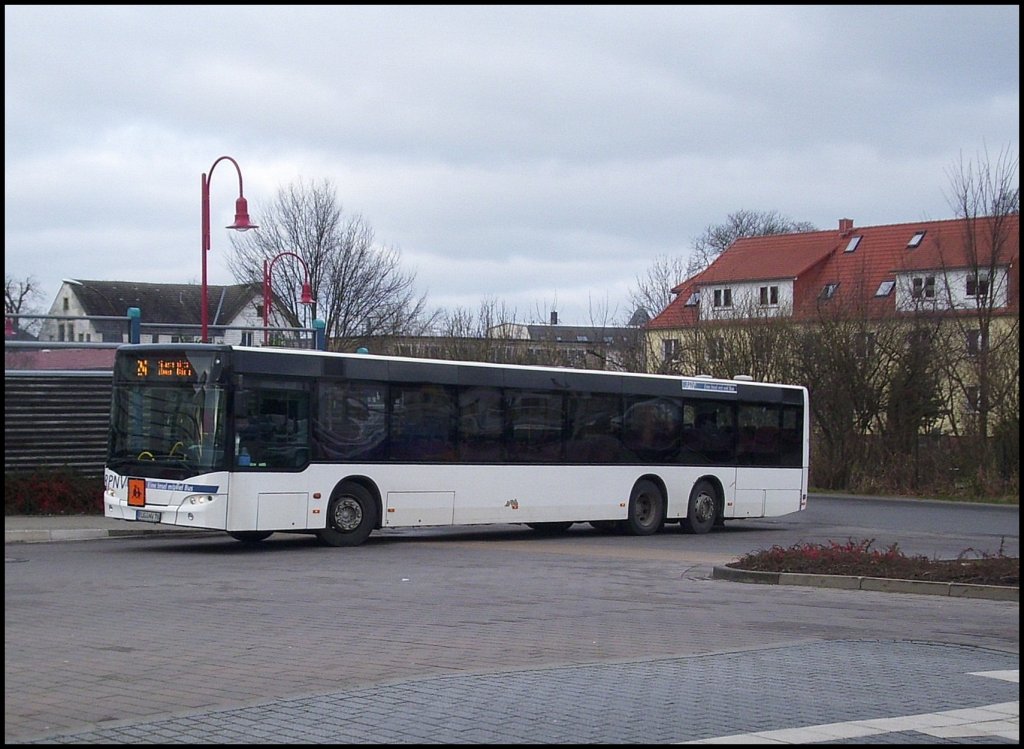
646,510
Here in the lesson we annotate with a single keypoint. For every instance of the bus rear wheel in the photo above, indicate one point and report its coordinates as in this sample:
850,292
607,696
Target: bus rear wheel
702,508
351,516
646,510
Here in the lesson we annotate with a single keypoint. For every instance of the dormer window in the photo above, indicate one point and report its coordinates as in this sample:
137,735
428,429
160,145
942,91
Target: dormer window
922,287
694,299
829,290
854,241
915,240
977,284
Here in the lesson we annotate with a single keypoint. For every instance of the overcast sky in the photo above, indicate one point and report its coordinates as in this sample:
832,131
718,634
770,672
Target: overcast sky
541,156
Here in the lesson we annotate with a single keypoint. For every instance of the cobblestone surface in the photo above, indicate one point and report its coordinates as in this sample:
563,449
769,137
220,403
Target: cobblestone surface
645,702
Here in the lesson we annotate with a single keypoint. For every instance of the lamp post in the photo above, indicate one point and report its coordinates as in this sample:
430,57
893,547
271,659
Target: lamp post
242,223
307,291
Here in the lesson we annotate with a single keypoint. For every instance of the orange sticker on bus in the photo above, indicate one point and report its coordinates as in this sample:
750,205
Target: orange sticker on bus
137,492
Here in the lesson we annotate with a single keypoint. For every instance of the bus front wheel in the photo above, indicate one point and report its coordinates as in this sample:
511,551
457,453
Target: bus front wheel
701,509
646,510
351,516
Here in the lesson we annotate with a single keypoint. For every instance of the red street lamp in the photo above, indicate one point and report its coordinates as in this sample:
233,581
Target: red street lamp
307,291
242,223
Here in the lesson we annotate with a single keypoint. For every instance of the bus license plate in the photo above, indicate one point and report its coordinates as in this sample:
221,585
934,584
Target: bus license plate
147,515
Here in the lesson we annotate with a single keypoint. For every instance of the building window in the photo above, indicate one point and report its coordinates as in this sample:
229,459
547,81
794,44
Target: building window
829,290
716,349
723,297
865,345
916,239
769,296
973,393
922,287
977,284
67,304
247,338
854,241
693,300
670,348
885,288
976,342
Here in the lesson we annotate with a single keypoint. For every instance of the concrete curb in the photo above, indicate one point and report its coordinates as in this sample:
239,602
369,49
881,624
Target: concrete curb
879,584
43,535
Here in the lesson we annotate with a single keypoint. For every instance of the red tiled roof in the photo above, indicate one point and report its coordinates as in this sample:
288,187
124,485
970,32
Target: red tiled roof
813,259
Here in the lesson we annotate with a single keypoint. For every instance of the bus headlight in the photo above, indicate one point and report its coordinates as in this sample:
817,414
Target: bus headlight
200,499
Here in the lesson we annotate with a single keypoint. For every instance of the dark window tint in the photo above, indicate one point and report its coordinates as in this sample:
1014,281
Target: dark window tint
711,440
481,425
422,423
758,435
351,423
651,429
535,423
273,430
791,437
595,426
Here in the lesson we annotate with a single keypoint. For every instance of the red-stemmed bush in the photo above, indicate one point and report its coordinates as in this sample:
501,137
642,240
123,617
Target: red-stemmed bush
52,492
858,558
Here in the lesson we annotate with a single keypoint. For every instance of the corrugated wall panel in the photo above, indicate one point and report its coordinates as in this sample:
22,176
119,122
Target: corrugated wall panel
56,420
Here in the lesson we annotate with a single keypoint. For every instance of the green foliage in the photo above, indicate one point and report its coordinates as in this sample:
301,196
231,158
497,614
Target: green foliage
52,492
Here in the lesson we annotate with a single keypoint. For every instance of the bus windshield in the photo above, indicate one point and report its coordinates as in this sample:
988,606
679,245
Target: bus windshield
170,424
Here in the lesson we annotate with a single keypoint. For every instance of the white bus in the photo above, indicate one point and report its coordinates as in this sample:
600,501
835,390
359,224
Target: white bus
255,441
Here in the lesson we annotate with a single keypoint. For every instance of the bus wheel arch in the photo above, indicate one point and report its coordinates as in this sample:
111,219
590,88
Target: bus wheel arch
250,537
705,507
353,512
646,507
551,528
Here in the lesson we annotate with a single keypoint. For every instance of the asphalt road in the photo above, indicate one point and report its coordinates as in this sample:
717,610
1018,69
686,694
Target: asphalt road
498,635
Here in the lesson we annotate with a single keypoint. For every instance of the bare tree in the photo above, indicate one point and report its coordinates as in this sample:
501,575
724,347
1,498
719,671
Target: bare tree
481,336
653,290
716,238
22,296
983,360
359,287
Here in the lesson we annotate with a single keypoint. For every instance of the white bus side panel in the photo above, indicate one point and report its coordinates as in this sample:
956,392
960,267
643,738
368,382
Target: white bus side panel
418,508
762,492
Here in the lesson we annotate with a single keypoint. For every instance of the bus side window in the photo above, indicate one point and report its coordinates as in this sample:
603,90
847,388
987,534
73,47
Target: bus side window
481,425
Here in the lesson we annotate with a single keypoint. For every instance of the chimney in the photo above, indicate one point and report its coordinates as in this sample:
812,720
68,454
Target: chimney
845,226
554,317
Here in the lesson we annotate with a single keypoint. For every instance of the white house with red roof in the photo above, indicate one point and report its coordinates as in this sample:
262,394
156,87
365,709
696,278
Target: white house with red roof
953,266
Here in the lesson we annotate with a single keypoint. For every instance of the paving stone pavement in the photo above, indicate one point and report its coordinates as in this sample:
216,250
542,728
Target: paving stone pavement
890,690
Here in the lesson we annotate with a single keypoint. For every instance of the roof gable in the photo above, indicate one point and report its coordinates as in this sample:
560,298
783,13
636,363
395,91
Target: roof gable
163,303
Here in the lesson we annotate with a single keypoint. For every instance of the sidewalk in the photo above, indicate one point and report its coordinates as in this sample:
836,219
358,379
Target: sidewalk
37,529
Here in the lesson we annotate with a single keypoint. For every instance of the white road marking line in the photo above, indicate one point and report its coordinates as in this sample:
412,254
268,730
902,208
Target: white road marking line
1001,719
